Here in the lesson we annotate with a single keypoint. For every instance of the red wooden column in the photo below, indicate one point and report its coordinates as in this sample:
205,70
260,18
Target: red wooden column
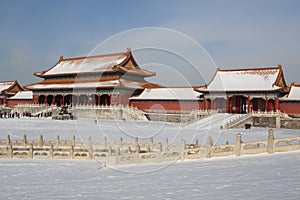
267,104
119,99
215,104
85,100
53,100
277,105
105,100
88,99
5,101
94,99
35,99
249,104
77,99
99,99
45,99
110,98
204,103
230,105
62,100
227,104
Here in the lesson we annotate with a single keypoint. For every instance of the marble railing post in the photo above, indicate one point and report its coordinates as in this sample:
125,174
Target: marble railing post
137,152
151,143
270,142
90,148
51,151
209,147
238,142
197,143
166,145
73,141
120,143
72,152
8,141
10,151
57,141
24,141
41,141
136,143
105,142
30,154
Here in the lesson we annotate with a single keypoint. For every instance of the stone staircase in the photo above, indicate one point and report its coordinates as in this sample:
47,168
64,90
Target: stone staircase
111,112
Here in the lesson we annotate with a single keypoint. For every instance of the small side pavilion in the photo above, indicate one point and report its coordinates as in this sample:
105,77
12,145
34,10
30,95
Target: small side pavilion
9,89
291,102
245,90
180,98
22,97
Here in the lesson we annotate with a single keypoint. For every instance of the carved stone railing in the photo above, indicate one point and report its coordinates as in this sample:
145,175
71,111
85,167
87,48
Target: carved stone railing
120,152
34,109
239,119
119,112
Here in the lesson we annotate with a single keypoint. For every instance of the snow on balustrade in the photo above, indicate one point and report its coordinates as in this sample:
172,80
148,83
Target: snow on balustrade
120,152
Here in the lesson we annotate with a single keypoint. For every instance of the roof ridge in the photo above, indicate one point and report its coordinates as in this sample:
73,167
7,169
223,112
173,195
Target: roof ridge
95,56
13,81
295,84
250,68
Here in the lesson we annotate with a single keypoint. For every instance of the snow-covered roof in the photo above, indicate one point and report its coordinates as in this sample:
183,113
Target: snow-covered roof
168,94
254,79
112,83
5,85
91,64
294,93
95,64
23,95
92,84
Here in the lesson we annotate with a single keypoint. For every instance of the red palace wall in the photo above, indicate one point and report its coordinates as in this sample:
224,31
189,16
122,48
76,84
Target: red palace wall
167,105
291,108
12,103
124,99
3,101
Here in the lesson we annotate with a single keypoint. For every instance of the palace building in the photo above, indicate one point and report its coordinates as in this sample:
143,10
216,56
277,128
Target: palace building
8,89
115,79
100,80
180,98
21,97
245,90
291,102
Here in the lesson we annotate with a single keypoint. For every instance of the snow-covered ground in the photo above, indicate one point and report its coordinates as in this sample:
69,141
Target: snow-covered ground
263,176
249,177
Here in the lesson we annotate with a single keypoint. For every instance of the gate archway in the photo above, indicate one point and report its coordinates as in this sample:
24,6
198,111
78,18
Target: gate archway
258,104
104,99
50,99
68,99
58,100
41,99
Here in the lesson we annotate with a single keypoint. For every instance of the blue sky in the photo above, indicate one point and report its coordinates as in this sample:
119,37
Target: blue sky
235,34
